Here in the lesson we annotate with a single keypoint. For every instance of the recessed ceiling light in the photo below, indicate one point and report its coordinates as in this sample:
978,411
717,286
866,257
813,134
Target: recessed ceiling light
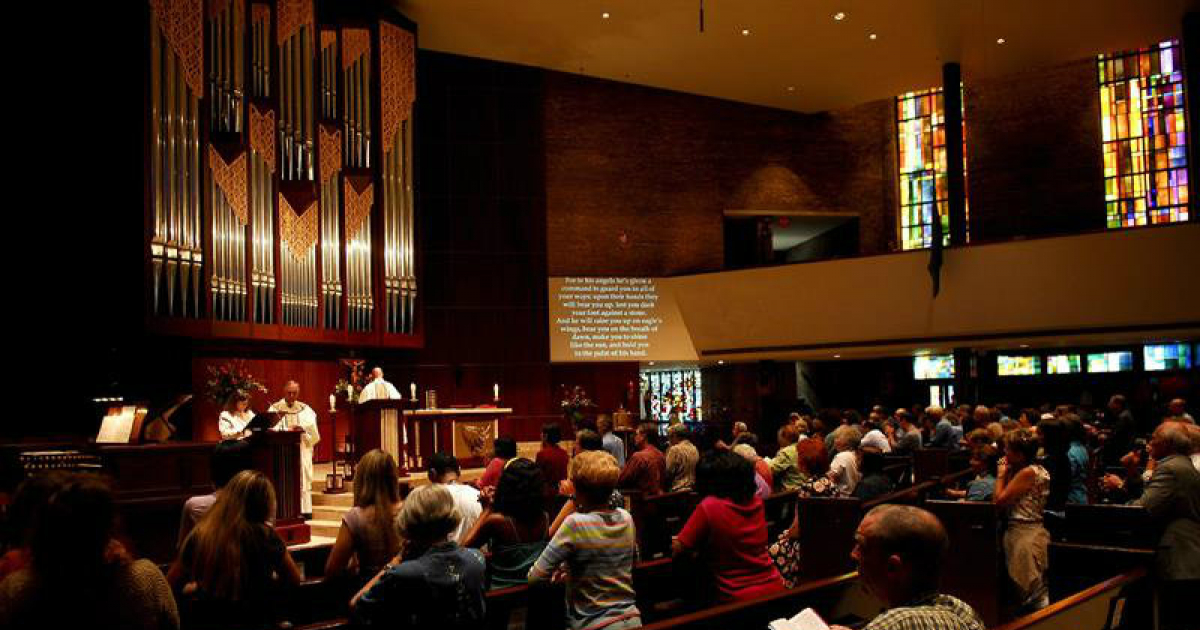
839,16
721,362
872,37
791,88
837,356
1000,41
745,31
605,15
651,363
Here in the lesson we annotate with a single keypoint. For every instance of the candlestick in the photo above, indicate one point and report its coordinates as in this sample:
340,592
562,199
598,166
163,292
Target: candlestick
496,391
412,390
332,402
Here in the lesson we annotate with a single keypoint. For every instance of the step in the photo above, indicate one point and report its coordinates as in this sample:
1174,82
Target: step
324,527
345,500
329,513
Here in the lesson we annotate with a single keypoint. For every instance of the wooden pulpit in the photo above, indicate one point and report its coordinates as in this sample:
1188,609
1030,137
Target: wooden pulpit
277,455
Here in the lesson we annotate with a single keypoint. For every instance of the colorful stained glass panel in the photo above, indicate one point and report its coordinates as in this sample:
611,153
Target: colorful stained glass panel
1175,356
1110,362
921,139
1018,365
1063,364
933,366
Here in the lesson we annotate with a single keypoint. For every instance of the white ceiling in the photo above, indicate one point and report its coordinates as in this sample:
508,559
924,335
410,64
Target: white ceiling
797,43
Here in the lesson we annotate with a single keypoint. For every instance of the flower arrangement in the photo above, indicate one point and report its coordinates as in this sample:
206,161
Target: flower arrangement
227,380
574,401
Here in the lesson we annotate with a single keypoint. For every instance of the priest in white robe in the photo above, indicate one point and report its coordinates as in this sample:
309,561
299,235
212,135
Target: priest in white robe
297,416
378,388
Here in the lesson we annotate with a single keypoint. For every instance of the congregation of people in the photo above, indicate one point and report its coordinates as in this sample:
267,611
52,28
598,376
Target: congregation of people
427,560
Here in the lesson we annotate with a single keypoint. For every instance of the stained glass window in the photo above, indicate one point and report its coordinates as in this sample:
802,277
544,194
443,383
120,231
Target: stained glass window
1145,139
921,138
674,391
1018,365
1175,356
933,366
1110,362
1063,364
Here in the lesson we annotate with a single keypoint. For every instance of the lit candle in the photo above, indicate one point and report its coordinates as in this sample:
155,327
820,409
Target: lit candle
496,391
412,390
332,402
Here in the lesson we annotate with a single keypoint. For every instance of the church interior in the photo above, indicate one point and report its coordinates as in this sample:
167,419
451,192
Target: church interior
609,313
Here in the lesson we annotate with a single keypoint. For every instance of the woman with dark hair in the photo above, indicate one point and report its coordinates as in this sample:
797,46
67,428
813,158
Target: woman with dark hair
228,565
504,449
368,531
236,415
728,529
79,575
514,526
1055,445
1023,487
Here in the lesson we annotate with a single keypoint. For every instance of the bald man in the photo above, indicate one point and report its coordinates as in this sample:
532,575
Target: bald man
378,388
297,416
899,551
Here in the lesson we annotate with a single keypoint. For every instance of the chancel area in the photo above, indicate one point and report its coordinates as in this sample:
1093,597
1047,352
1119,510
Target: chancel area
684,314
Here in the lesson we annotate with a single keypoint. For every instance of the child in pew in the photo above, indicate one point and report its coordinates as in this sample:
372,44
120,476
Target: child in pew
513,525
728,529
1023,487
432,582
598,547
984,460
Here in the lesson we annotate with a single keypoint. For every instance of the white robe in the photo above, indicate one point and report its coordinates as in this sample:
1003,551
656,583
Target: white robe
303,416
232,424
379,388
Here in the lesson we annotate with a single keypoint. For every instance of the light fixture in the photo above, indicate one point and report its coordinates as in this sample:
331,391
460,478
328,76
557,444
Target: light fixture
791,88
720,361
839,16
872,37
605,15
1000,40
1024,345
745,31
837,356
651,363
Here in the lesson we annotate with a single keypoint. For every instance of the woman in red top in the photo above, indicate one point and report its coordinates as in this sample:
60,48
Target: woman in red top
505,449
728,530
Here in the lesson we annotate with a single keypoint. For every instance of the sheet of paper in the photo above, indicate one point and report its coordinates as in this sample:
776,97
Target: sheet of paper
806,619
117,427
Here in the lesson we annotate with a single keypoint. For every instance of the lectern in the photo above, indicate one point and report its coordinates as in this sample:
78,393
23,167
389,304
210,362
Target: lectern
277,455
382,424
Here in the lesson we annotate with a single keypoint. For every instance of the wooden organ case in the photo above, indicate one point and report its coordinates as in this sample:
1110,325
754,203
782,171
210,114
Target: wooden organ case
280,198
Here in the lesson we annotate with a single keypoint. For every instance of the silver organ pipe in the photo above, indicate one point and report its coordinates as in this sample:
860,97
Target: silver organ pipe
262,216
225,66
295,35
398,94
330,142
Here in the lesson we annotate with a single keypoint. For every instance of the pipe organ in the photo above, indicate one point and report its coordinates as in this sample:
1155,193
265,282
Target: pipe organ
272,135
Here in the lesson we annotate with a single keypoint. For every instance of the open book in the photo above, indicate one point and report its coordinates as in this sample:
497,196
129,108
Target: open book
806,619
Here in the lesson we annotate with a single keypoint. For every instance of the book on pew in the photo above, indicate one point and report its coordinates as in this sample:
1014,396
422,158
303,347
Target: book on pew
806,619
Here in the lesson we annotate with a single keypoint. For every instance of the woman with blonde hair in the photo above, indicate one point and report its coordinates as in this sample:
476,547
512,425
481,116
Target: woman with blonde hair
226,569
1023,487
432,582
368,532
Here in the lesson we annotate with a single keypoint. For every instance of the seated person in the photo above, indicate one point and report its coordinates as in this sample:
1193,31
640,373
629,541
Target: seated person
783,466
728,529
762,486
31,495
514,524
229,458
78,575
899,551
598,547
983,486
874,482
432,582
505,448
368,531
844,468
444,471
226,571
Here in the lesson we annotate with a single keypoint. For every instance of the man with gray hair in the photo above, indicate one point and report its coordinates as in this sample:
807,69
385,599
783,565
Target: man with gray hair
297,416
899,551
844,469
682,457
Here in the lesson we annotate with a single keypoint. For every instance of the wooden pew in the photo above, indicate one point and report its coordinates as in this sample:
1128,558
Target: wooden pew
779,509
837,599
660,517
930,463
1113,525
974,570
827,535
1094,608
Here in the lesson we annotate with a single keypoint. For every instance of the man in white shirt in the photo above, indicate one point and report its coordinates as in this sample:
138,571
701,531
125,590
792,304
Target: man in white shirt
875,436
444,470
378,388
297,416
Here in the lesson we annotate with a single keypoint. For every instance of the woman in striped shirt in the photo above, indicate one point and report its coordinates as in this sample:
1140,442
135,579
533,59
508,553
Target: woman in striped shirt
598,547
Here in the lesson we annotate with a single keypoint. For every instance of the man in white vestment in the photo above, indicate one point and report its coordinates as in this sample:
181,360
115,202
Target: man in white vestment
297,416
378,388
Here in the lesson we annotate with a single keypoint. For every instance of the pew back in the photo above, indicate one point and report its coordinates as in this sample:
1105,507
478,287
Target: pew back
1101,607
974,569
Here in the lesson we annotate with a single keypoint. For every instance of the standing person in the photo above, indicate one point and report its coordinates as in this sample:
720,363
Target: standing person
504,449
368,532
552,459
297,416
1023,487
1120,430
599,547
1078,459
728,529
514,525
378,388
432,583
444,471
228,565
233,420
646,470
612,444
78,575
681,459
